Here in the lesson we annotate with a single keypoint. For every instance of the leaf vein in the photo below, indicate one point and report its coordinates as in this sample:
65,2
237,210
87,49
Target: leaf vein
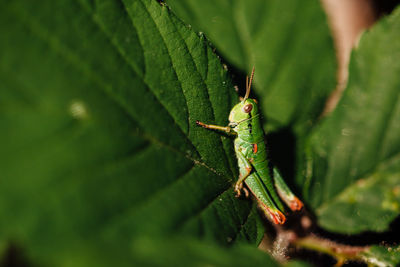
169,55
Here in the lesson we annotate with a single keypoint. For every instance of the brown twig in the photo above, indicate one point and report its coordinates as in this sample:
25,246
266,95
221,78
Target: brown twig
340,252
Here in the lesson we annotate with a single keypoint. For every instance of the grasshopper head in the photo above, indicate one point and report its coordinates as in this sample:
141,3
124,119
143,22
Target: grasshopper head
243,111
246,109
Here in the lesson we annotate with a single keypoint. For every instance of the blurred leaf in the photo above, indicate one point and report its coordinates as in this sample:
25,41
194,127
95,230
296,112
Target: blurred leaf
161,252
296,264
382,256
288,42
98,103
194,253
353,174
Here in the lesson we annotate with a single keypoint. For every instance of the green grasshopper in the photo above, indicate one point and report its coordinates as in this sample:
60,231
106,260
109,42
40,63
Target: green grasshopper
244,123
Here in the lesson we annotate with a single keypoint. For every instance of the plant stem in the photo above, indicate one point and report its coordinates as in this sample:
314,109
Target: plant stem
340,252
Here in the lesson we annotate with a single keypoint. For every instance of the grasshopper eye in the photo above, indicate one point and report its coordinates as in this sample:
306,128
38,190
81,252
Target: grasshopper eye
247,108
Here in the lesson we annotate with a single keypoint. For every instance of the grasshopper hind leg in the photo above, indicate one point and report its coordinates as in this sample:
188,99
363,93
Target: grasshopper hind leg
285,193
257,188
264,200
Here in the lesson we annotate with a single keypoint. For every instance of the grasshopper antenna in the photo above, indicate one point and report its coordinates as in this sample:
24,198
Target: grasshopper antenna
248,84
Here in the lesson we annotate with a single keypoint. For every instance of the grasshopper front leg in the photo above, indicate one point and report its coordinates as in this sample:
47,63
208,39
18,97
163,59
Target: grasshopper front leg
244,170
225,129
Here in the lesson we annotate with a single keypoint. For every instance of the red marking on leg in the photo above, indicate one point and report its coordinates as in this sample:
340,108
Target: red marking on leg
296,204
277,216
255,148
248,169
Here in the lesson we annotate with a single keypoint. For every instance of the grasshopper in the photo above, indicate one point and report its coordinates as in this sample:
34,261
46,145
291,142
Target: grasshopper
250,149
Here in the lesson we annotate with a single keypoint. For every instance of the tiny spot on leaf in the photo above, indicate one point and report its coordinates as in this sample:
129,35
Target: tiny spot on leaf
78,109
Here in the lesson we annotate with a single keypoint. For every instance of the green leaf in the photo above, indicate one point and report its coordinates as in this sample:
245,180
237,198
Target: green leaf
296,264
288,42
160,252
194,253
98,103
382,256
353,174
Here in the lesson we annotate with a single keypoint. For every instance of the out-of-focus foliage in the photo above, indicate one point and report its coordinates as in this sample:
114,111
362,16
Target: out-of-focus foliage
353,179
288,42
383,256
